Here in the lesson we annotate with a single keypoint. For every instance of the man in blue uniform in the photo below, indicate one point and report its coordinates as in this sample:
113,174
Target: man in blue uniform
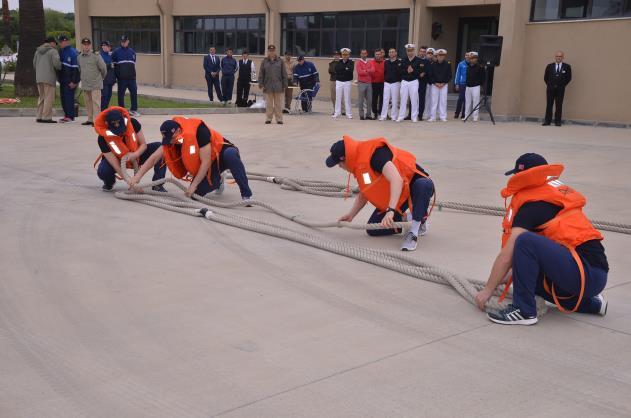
211,73
306,74
124,60
110,77
228,69
460,84
68,78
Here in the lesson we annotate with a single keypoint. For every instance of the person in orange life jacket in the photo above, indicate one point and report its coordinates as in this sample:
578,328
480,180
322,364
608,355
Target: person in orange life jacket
191,148
120,134
550,245
390,179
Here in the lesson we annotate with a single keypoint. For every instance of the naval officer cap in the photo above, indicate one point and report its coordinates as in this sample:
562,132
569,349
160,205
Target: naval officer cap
441,52
410,46
430,49
473,54
345,50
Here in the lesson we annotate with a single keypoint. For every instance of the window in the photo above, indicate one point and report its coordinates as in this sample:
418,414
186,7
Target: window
319,34
578,9
143,32
195,34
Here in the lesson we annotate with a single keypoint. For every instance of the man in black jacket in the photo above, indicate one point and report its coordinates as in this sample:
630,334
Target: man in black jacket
475,78
557,75
410,73
343,78
392,71
440,78
245,69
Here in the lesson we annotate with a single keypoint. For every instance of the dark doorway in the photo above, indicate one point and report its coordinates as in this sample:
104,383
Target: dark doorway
469,31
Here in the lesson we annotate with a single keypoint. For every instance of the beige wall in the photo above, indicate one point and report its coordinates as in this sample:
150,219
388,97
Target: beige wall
148,69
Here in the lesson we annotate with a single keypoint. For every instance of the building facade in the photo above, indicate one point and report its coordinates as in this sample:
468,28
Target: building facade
171,38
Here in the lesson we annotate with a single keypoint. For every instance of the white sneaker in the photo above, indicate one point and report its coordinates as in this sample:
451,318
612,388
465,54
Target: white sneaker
382,119
431,120
398,120
443,120
603,305
247,199
410,242
414,120
335,116
423,229
134,113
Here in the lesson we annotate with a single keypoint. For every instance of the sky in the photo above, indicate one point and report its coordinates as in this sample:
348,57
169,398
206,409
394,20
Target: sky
61,5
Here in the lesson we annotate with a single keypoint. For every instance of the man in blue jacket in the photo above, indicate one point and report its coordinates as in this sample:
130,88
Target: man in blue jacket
69,77
124,60
211,73
110,77
460,83
228,69
306,74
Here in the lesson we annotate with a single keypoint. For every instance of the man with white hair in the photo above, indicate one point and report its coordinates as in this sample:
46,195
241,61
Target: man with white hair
431,59
409,83
343,79
441,76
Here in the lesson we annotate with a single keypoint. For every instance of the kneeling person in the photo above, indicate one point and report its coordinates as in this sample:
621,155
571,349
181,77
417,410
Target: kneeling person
120,135
551,246
192,149
390,179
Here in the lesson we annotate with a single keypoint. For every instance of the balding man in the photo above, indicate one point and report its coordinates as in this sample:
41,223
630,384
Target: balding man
558,75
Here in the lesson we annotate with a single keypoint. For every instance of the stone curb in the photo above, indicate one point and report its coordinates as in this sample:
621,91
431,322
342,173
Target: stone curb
30,112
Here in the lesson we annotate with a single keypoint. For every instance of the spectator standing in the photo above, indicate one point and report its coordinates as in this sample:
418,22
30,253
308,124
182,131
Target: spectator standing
393,69
475,78
431,59
557,76
308,78
377,82
365,70
441,76
247,72
46,63
273,81
422,80
289,70
124,60
460,85
228,70
332,64
110,78
93,71
211,73
411,71
68,78
343,79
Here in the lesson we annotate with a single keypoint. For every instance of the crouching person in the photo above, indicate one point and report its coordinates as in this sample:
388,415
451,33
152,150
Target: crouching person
120,135
390,179
193,151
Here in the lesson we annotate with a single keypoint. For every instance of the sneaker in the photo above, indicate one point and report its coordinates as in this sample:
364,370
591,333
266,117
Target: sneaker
423,229
107,188
443,120
409,242
511,315
38,120
398,120
603,304
134,113
334,116
267,122
414,120
382,119
87,123
431,120
285,110
65,120
349,116
246,199
159,188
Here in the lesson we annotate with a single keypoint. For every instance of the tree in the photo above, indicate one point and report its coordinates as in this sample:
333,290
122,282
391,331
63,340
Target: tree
6,22
32,33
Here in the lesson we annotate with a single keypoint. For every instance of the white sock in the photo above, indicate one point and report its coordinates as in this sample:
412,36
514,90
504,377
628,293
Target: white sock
416,225
408,216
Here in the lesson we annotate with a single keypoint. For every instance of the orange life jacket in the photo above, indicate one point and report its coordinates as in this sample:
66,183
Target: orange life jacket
119,145
570,227
184,160
374,186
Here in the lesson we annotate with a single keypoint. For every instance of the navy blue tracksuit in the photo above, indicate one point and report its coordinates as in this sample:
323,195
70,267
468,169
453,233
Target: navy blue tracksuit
229,159
69,74
124,60
228,69
212,65
107,173
108,81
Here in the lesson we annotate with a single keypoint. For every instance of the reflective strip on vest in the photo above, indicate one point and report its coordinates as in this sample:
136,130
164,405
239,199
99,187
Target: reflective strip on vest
191,149
366,177
509,215
109,133
115,147
133,137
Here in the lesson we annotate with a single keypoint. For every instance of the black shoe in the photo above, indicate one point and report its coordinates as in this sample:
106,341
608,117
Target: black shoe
545,124
38,120
107,188
87,123
511,315
267,122
557,123
368,117
159,188
285,110
47,121
408,118
362,118
280,122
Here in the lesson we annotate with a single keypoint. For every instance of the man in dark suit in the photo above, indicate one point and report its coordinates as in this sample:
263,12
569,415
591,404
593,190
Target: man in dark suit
211,72
558,75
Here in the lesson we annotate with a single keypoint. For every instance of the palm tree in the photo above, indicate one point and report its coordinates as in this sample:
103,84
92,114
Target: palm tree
6,22
31,35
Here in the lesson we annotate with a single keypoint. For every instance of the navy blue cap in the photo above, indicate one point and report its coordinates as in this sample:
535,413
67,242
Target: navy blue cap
526,161
115,116
338,151
124,38
63,38
167,129
106,43
300,58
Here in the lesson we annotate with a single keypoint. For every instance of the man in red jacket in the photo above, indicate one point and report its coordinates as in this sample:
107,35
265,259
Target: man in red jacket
377,82
365,71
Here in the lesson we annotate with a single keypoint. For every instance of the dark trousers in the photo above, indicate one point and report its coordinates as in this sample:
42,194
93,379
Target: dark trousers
422,90
421,192
213,82
536,256
304,101
554,96
107,173
460,105
243,91
66,95
106,96
377,99
227,84
123,86
229,159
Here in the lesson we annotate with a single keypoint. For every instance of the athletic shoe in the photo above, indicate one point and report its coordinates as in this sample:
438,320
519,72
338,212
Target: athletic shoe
335,116
431,120
398,120
246,199
414,120
382,119
443,120
423,229
409,242
107,188
66,120
603,305
87,123
134,113
159,188
511,315
350,117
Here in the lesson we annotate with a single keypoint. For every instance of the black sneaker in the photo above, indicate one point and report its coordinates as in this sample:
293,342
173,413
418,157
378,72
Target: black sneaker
511,315
159,188
87,123
107,188
38,120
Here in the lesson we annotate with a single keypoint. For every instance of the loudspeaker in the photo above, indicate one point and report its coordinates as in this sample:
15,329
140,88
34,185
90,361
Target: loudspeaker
490,50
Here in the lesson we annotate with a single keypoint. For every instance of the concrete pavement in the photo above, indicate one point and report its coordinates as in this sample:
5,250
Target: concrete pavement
110,308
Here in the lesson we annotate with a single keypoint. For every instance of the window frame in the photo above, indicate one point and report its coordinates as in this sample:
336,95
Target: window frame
137,33
625,12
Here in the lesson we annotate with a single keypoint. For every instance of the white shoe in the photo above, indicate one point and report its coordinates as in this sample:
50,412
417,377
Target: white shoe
335,116
414,120
423,229
382,119
350,116
431,120
603,305
475,120
443,120
398,120
134,113
410,242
